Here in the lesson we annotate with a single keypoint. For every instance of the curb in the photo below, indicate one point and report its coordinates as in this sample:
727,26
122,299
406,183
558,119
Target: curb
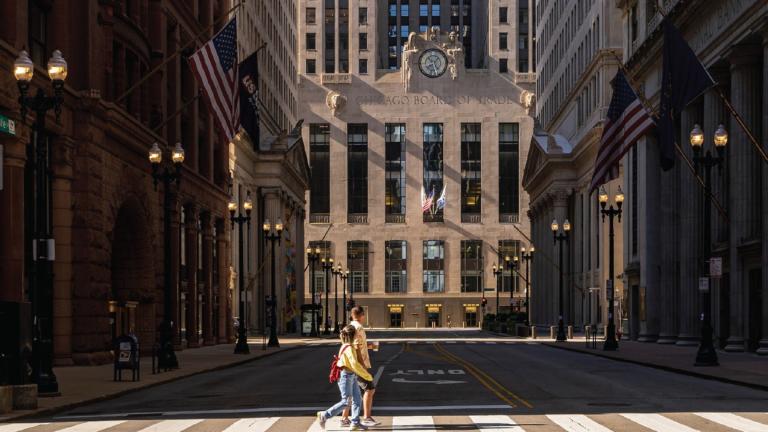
53,410
664,368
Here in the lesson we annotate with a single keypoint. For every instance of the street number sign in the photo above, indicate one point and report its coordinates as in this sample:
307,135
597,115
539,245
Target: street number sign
703,284
7,125
716,267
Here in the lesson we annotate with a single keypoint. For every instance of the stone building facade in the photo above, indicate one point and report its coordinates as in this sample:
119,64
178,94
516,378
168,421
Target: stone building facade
664,248
384,137
107,217
578,51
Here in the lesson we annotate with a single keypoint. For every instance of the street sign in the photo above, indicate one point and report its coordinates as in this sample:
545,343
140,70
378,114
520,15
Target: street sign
704,284
716,267
7,125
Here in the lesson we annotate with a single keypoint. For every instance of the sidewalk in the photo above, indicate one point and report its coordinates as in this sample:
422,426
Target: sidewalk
84,384
745,369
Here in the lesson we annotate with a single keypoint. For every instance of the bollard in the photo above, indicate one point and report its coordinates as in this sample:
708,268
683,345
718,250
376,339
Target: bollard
552,331
533,332
570,332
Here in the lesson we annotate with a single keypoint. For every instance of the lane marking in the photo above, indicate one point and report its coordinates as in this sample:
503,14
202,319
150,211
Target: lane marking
734,421
413,423
172,425
577,423
252,424
495,423
16,427
658,423
480,379
95,426
439,382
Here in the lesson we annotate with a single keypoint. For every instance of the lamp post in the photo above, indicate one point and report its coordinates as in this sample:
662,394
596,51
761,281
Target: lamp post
511,263
344,275
560,238
527,257
336,273
706,354
312,256
237,217
273,234
327,267
611,344
167,174
497,272
43,246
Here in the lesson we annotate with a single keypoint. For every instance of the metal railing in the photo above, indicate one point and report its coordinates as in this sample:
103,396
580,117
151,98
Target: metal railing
319,218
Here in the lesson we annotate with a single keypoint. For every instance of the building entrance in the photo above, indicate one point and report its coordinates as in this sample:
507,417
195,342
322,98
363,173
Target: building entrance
470,315
395,316
433,315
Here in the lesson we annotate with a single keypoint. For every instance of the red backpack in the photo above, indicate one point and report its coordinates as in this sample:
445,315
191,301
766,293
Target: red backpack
335,369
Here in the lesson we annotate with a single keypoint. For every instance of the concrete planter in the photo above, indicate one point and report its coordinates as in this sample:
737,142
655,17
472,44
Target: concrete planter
25,397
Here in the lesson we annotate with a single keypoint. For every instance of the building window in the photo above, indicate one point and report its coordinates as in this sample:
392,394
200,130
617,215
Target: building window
396,266
433,191
311,41
471,266
509,279
394,175
470,171
434,266
357,168
343,36
362,66
509,138
311,66
503,68
397,34
522,36
503,15
357,259
324,247
363,40
319,159
38,33
330,36
362,17
503,41
311,15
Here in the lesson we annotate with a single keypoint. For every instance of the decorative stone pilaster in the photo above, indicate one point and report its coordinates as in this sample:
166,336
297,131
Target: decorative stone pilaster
207,279
670,255
763,348
744,166
223,293
12,216
190,227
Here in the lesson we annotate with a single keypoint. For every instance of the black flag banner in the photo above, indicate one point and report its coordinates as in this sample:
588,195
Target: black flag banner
249,98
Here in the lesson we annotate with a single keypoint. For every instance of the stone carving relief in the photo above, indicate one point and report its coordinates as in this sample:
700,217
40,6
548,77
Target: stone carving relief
335,102
449,43
527,100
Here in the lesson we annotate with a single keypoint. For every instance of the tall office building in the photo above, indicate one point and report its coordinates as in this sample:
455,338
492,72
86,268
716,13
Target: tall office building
417,128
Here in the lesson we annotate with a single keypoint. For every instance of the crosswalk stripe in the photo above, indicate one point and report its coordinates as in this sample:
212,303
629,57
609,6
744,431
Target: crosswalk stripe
734,421
255,424
16,427
94,426
413,423
658,423
577,423
172,425
495,423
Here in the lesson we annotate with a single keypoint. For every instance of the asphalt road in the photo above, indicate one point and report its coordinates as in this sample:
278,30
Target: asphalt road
442,383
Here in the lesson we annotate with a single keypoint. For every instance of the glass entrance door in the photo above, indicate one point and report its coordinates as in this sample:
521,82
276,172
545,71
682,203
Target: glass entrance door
433,316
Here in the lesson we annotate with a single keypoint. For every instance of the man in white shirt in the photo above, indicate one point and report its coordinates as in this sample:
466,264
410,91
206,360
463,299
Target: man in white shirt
362,345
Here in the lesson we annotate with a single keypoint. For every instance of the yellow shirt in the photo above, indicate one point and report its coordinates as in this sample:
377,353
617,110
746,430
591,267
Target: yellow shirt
348,360
361,343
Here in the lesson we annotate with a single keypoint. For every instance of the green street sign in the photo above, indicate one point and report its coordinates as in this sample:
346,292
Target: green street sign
7,125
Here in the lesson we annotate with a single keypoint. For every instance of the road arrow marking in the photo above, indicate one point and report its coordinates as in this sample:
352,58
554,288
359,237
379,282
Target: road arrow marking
407,381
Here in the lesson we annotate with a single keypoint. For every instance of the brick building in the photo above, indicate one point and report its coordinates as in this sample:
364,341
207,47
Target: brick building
107,217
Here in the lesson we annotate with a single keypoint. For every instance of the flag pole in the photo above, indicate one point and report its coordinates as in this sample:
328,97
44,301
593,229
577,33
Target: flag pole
174,55
631,81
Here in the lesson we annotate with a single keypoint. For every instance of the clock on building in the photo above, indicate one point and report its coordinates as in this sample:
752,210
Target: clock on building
433,63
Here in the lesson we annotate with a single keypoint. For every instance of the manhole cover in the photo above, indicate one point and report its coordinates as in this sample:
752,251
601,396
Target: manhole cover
608,404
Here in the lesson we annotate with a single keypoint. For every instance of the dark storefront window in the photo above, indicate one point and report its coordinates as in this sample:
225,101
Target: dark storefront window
394,175
357,259
357,169
470,172
509,138
319,159
396,266
433,173
434,266
471,266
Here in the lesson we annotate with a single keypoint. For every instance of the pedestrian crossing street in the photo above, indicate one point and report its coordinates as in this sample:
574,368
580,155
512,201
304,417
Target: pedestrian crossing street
667,422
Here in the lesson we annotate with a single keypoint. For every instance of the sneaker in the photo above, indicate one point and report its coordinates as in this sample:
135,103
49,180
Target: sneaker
346,422
358,427
370,421
321,419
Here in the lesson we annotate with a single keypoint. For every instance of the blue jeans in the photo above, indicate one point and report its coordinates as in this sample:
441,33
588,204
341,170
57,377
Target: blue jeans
349,390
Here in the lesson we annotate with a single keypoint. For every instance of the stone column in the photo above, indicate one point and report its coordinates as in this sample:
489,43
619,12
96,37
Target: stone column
670,255
560,211
12,216
62,169
743,163
207,279
190,224
689,233
273,208
222,252
763,349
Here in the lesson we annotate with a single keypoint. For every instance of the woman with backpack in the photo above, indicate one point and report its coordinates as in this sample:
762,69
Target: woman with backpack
345,369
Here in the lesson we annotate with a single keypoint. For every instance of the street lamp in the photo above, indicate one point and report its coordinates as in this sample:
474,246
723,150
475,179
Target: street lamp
41,271
497,271
327,267
313,255
527,257
511,263
611,344
560,238
167,174
344,275
706,354
237,217
336,273
273,234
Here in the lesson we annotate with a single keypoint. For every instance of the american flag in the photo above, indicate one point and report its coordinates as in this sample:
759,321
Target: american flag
215,67
627,121
426,201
